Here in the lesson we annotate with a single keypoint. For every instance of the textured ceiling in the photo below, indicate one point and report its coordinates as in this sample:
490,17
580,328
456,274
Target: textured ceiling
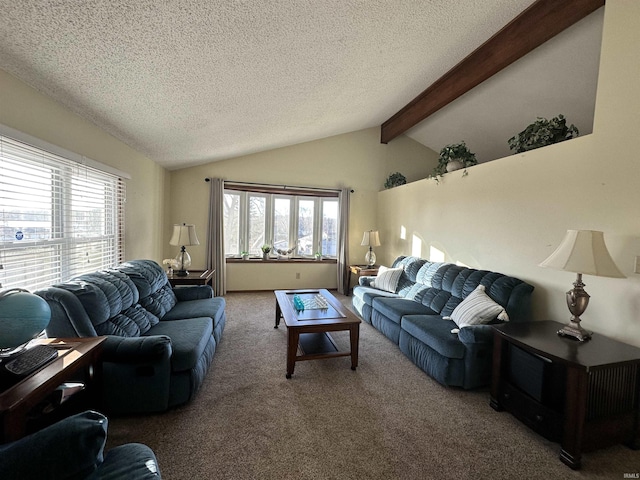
189,82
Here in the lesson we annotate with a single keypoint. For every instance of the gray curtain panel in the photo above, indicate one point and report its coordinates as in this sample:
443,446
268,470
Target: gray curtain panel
215,237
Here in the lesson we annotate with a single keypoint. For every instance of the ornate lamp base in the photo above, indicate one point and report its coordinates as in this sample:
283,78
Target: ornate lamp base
574,330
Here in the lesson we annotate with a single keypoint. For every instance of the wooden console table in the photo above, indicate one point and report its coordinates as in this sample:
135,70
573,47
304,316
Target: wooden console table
79,359
584,395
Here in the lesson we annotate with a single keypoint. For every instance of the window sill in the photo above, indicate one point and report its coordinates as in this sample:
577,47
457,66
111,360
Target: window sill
282,260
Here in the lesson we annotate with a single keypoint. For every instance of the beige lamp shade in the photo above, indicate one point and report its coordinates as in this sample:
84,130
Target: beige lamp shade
184,235
371,239
583,251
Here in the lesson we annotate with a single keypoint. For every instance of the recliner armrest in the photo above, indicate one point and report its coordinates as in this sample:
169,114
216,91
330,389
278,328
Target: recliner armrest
195,292
136,349
366,281
476,334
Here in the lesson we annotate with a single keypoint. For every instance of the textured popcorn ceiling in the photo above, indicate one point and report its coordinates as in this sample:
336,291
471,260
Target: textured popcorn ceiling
187,82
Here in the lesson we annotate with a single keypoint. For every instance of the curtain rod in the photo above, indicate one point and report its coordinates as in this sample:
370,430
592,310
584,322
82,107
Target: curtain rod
284,187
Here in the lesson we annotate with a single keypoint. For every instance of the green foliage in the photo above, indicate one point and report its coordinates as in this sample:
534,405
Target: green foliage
265,248
541,133
395,180
454,151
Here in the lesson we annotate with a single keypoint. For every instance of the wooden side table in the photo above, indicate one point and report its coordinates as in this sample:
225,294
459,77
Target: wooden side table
585,395
195,277
361,271
78,358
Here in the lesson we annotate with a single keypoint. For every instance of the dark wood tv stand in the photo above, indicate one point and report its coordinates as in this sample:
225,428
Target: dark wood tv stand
584,395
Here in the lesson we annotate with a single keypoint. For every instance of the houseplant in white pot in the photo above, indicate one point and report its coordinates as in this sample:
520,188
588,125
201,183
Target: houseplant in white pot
454,157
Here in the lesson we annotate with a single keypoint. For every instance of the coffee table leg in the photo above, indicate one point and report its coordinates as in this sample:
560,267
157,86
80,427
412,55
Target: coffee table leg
278,314
354,337
292,350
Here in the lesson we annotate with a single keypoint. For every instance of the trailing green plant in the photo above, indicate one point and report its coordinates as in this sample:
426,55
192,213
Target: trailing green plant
541,133
395,180
454,151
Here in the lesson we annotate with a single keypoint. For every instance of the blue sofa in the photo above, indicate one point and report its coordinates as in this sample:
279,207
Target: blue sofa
415,316
73,448
160,340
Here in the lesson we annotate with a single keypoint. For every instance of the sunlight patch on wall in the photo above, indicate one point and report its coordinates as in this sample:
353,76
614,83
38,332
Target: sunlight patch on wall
435,255
416,246
403,232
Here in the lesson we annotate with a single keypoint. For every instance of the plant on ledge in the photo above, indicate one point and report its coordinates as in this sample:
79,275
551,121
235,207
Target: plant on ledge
395,180
454,157
541,133
265,251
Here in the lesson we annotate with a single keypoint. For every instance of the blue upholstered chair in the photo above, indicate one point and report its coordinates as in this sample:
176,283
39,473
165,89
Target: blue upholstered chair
74,448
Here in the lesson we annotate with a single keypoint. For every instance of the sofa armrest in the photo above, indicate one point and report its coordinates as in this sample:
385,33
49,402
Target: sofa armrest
70,448
136,349
476,334
195,292
366,281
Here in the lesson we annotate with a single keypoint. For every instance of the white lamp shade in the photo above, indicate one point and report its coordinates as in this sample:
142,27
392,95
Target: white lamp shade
184,235
371,239
583,251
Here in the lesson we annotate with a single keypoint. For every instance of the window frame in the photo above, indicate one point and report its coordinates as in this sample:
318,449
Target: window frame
294,195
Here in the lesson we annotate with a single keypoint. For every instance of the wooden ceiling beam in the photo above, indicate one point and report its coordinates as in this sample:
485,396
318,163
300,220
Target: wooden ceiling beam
541,21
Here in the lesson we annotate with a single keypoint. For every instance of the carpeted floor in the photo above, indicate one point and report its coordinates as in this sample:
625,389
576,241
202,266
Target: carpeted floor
387,420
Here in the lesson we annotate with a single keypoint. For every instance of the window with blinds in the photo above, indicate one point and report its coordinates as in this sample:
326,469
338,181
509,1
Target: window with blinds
58,218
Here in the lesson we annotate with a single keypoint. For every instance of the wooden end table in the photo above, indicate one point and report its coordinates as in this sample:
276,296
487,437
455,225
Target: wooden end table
308,331
585,395
194,277
361,271
78,358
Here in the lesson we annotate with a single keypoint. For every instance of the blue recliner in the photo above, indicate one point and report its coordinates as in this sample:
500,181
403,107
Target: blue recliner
160,340
73,448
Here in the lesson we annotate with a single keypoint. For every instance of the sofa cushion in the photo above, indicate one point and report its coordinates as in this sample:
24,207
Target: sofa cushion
188,340
367,294
204,307
477,309
156,294
434,331
395,308
387,279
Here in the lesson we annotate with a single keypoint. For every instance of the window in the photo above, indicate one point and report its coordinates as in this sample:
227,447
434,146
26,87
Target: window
58,218
307,222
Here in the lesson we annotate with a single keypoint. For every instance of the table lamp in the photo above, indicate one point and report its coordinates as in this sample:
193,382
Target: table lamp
185,236
370,239
581,252
23,316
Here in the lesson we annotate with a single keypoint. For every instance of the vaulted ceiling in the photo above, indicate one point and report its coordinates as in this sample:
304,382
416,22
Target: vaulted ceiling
188,82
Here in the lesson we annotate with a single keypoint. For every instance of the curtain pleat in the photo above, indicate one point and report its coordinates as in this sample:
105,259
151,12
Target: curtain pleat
343,243
215,237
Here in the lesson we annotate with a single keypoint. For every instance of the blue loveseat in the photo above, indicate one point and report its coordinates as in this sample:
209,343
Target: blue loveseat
160,340
415,316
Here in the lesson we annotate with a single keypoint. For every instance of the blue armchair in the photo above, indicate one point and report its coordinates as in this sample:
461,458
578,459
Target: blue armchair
73,448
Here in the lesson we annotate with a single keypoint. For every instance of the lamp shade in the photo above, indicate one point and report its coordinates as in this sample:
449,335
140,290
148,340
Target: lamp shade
583,251
23,316
371,239
184,235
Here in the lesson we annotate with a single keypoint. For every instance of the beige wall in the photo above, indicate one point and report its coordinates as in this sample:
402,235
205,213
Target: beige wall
508,215
27,110
357,160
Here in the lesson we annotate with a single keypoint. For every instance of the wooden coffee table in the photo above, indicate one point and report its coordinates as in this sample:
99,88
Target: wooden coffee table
308,330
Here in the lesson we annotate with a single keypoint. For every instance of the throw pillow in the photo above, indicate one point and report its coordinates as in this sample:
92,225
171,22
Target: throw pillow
477,309
387,279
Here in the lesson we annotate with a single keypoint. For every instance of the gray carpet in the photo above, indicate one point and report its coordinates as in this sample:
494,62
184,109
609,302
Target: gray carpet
387,420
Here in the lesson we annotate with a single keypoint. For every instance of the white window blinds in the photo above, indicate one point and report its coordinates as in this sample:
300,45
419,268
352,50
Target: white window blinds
58,218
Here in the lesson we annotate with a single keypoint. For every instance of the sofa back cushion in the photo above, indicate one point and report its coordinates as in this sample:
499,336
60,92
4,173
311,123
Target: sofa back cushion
410,266
452,283
110,300
156,294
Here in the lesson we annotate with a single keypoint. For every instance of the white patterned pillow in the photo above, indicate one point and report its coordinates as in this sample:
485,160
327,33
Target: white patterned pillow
387,279
477,309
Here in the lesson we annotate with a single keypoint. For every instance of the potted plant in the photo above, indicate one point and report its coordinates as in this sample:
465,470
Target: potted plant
395,180
454,157
265,251
245,255
318,256
541,133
